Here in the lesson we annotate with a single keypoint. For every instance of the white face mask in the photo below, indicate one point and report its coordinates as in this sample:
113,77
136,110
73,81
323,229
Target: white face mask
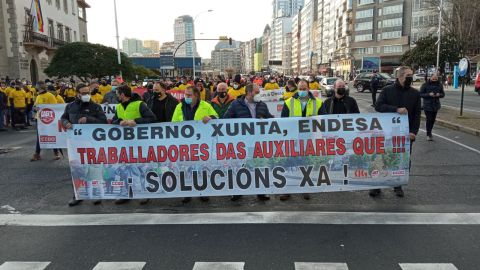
257,98
85,98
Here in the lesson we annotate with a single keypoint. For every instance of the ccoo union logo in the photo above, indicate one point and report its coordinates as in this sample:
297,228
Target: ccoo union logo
47,116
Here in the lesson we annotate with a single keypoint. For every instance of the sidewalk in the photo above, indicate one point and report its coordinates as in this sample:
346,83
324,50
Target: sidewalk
468,123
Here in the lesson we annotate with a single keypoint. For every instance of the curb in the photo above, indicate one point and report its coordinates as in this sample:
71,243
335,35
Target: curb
450,125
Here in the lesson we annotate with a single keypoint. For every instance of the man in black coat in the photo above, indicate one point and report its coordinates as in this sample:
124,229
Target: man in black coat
340,103
374,85
82,111
401,98
247,107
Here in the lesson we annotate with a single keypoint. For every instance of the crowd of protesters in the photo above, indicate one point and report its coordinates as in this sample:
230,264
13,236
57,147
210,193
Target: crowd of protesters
204,99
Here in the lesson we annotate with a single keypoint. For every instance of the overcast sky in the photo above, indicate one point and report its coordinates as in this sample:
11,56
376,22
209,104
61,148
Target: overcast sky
153,19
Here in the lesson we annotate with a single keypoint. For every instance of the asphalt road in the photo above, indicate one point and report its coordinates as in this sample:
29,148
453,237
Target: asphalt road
452,99
444,179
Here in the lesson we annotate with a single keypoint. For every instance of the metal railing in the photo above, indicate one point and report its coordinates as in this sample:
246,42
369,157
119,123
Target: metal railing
34,38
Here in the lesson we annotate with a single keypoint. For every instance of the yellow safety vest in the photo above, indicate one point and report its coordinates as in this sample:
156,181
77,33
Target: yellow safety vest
204,109
132,111
295,107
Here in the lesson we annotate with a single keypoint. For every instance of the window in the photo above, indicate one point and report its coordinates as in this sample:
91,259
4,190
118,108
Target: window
365,2
65,6
74,36
365,37
49,2
363,26
392,34
364,13
51,30
67,35
59,31
370,50
57,4
391,23
80,13
392,9
392,49
73,7
380,11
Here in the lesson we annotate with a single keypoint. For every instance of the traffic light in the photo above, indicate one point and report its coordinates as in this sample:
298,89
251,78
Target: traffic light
230,41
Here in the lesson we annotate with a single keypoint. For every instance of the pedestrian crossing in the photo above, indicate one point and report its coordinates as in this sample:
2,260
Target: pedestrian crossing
17,265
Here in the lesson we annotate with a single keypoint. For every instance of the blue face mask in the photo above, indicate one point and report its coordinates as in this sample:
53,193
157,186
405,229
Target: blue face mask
114,87
302,93
188,100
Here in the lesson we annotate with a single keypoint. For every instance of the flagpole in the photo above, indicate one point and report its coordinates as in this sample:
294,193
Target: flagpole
118,37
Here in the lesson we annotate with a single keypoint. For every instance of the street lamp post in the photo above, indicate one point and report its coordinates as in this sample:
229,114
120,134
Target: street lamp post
440,8
118,37
193,42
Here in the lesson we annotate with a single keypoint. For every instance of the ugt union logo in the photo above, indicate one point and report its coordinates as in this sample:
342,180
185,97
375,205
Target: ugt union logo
47,116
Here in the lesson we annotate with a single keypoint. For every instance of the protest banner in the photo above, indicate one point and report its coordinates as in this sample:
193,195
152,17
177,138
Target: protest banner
240,157
51,133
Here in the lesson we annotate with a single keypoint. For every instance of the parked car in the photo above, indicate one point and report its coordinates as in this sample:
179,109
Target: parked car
420,77
327,85
362,81
477,84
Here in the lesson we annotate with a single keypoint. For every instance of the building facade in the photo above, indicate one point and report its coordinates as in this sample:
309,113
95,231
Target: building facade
184,29
133,47
152,45
28,43
82,20
286,8
381,33
227,58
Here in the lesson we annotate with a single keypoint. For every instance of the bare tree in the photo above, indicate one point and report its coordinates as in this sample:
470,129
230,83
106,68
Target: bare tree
461,19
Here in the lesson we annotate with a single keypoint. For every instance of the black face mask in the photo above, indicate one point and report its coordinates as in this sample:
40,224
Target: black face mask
222,94
341,91
104,84
408,81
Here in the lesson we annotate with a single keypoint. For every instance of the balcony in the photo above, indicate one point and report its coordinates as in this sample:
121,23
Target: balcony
34,40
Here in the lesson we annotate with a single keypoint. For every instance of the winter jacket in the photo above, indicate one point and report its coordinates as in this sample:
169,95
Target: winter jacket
170,104
78,109
148,98
239,109
431,104
220,107
396,96
349,102
110,98
147,115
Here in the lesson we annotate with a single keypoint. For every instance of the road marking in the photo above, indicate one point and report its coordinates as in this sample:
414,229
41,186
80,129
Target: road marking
24,265
457,108
427,266
119,266
455,142
327,218
219,266
320,266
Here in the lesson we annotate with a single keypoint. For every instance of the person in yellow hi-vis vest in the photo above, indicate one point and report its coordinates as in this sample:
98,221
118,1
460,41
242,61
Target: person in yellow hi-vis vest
313,84
290,90
57,96
193,108
104,87
131,111
302,104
